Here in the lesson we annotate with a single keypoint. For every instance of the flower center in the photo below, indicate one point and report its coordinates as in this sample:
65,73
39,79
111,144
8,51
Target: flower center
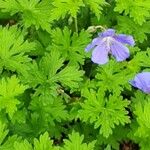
108,41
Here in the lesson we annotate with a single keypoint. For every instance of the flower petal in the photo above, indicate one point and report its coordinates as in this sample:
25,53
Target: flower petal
125,39
119,51
108,32
89,47
94,42
100,54
142,81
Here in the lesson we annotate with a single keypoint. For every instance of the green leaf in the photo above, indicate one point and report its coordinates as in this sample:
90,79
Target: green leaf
71,47
44,143
19,116
63,7
119,134
139,10
113,77
128,26
69,76
52,71
9,143
25,145
72,7
3,132
75,142
104,113
96,6
141,129
140,60
143,118
34,12
49,110
13,50
10,89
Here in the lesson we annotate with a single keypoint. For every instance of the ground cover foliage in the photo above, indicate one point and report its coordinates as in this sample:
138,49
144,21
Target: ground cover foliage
52,96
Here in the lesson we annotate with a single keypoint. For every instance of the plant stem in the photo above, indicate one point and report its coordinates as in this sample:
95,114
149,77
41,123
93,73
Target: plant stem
76,24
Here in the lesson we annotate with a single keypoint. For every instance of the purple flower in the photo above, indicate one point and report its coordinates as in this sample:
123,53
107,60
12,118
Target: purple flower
108,42
142,81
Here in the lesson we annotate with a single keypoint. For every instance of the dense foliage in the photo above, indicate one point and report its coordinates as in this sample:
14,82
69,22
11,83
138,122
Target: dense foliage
52,96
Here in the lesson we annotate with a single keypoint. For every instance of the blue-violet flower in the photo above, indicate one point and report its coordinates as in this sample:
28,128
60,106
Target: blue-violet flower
108,42
142,81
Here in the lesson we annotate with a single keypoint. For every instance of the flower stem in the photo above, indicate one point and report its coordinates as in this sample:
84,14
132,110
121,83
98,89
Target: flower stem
94,28
100,27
